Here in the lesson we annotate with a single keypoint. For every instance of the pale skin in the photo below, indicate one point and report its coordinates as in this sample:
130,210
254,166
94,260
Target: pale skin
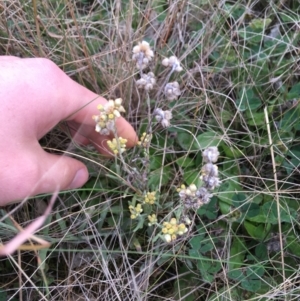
35,96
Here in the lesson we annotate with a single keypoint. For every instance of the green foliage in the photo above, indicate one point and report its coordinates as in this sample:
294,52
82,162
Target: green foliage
240,92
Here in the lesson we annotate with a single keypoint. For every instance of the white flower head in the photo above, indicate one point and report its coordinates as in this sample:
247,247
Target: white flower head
168,237
209,175
104,132
210,154
163,117
173,62
210,182
210,169
165,123
172,90
159,114
147,81
203,195
142,54
110,125
168,115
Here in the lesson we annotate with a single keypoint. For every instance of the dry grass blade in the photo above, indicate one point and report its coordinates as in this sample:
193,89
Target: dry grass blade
27,234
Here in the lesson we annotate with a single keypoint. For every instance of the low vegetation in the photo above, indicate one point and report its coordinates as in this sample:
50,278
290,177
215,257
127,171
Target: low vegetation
220,77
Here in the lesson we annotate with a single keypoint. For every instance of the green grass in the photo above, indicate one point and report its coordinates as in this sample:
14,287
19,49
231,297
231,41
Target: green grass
240,92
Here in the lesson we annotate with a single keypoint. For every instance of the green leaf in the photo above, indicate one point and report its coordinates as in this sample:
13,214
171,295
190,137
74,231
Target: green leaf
248,100
189,142
260,23
255,231
251,35
290,120
250,209
251,285
186,141
294,92
270,212
192,177
155,162
207,139
206,247
252,281
236,275
228,190
225,294
257,199
196,242
156,175
235,11
237,253
185,162
295,157
225,208
209,210
238,199
293,244
232,152
61,222
290,203
140,224
261,252
285,17
208,268
194,254
255,118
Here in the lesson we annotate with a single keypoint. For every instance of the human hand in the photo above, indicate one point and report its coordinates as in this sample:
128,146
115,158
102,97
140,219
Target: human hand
35,96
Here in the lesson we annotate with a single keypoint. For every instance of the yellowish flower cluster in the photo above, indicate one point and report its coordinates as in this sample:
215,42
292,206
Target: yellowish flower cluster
191,190
152,220
135,211
117,145
145,140
173,229
150,198
193,197
105,121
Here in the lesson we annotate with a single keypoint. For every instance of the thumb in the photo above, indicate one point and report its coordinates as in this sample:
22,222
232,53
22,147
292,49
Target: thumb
60,172
36,172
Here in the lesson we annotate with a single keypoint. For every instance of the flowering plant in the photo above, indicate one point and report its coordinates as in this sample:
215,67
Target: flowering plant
144,206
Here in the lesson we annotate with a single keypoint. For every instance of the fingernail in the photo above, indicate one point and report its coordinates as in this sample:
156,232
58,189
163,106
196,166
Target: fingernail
79,179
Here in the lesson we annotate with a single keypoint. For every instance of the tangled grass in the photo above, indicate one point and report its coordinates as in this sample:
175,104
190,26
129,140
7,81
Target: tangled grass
239,92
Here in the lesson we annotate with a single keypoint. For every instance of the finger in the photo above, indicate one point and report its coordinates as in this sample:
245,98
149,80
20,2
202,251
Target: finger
60,98
35,172
85,125
80,104
51,94
84,134
62,171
